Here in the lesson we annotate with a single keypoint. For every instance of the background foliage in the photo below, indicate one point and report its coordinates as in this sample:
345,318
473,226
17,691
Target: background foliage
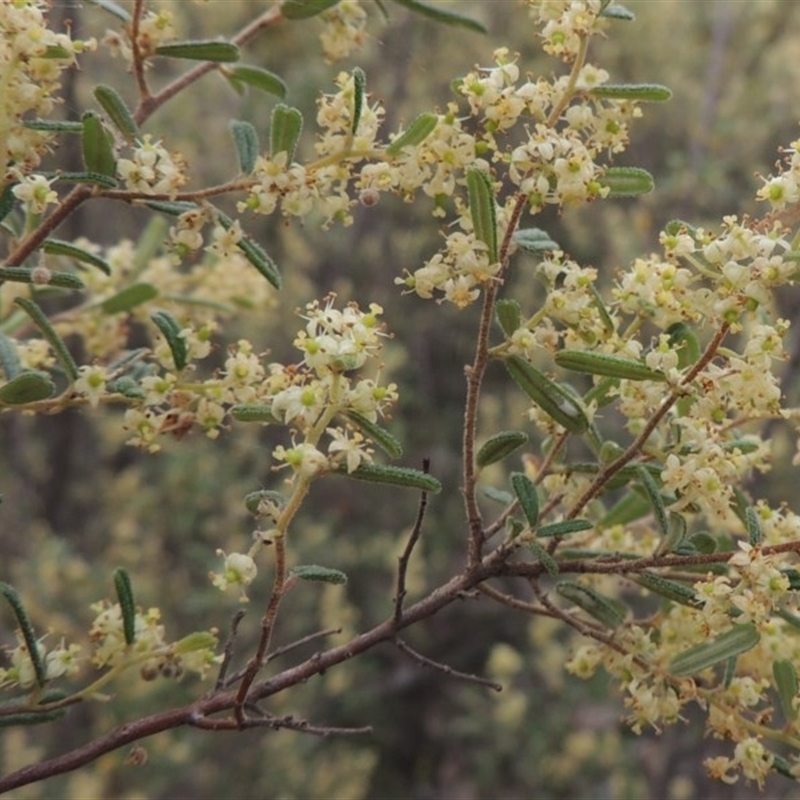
83,500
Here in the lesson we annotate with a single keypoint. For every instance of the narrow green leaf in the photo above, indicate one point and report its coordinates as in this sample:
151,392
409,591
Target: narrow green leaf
200,50
482,209
98,146
602,393
171,331
246,140
509,315
253,501
499,446
172,207
564,528
53,125
610,613
642,92
683,339
9,357
498,495
313,572
286,124
617,11
611,366
129,297
627,509
149,242
787,616
416,133
528,498
253,412
97,178
191,643
303,9
743,446
730,672
119,113
126,386
31,714
254,253
739,639
56,51
122,584
544,558
794,578
783,766
754,534
360,87
600,305
654,496
534,240
674,591
704,543
396,476
627,181
441,15
7,200
28,386
50,334
26,628
675,536
112,8
61,280
258,78
379,435
553,399
57,247
785,676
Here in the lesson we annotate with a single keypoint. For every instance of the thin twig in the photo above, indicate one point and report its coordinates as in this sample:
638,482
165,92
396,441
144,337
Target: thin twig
267,626
136,53
227,653
402,566
287,648
453,673
275,723
514,602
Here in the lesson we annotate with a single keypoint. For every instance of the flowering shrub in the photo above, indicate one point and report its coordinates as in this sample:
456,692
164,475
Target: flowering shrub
686,347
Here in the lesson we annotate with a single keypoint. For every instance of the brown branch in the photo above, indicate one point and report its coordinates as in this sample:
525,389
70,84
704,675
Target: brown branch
220,702
475,374
227,652
136,53
453,673
402,566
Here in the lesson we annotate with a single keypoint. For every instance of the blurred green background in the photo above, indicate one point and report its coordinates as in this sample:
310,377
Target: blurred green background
78,502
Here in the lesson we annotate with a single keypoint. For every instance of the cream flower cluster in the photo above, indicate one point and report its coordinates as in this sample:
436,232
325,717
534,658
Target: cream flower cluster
344,31
152,169
155,29
32,57
305,397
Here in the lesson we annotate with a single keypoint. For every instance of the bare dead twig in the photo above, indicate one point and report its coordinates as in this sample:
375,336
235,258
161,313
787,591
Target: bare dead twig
227,653
453,673
275,723
402,567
